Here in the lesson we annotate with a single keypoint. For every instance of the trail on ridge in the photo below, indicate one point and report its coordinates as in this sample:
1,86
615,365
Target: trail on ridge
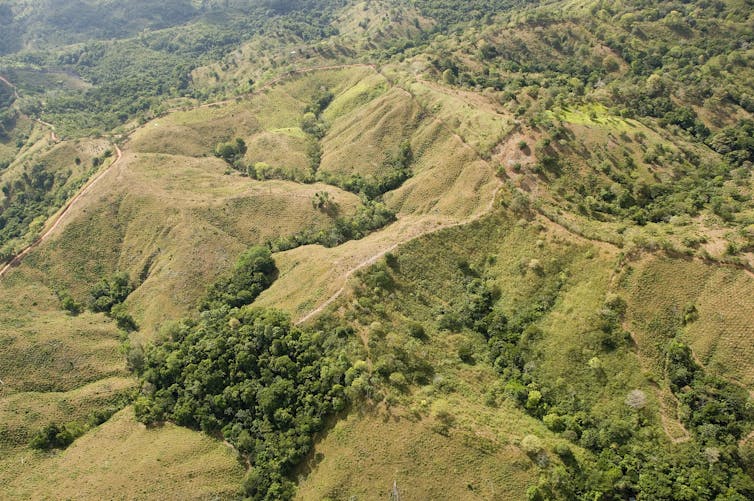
60,216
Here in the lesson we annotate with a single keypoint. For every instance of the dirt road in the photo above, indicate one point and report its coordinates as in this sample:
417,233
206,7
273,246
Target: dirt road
55,222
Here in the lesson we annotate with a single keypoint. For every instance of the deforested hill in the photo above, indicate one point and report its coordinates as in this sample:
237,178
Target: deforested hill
490,249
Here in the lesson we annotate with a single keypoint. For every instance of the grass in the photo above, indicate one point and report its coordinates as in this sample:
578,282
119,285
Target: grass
174,223
479,456
123,459
661,289
477,119
595,115
366,452
359,142
174,217
284,148
24,414
44,349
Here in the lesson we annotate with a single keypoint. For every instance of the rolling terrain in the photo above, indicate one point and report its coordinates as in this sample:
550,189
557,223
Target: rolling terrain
511,243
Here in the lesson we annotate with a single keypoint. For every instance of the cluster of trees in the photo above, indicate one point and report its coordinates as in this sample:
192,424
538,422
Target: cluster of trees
231,151
31,195
312,122
736,143
622,465
54,436
139,54
108,297
253,272
397,167
661,78
248,374
370,216
627,455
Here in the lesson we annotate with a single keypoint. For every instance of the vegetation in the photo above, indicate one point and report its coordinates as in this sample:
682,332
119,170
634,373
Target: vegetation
253,273
247,373
561,309
108,297
369,217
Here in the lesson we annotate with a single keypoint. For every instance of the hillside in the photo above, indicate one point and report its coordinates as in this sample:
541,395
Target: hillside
333,250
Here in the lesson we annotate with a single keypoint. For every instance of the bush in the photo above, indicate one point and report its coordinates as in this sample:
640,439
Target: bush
416,330
253,272
54,437
109,292
69,304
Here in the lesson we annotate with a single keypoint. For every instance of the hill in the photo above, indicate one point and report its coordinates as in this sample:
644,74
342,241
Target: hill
479,250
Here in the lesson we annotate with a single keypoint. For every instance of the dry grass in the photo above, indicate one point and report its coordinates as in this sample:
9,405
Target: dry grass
43,348
24,414
360,141
365,453
661,288
285,149
175,223
124,460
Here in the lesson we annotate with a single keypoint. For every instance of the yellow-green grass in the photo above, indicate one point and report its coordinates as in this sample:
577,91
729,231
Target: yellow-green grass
8,146
24,414
365,90
377,21
122,459
360,142
176,223
311,274
450,185
57,158
303,86
195,132
474,117
365,453
660,288
284,148
44,348
449,177
480,458
53,366
595,115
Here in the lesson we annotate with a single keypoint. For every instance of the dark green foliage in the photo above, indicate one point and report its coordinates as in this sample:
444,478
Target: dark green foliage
736,143
108,297
122,318
416,330
53,437
110,292
397,165
33,194
69,304
450,12
138,53
231,151
249,374
718,411
253,272
369,217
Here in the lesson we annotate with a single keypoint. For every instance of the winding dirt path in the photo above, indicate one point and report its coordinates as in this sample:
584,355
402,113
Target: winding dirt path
119,154
57,219
373,259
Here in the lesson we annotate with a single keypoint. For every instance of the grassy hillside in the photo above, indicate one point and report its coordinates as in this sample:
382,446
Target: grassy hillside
126,460
511,241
